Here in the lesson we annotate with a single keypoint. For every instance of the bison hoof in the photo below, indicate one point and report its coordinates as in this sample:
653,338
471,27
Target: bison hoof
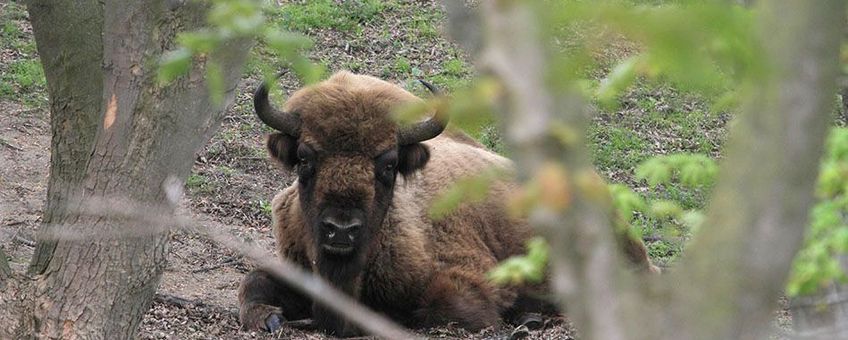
274,322
532,321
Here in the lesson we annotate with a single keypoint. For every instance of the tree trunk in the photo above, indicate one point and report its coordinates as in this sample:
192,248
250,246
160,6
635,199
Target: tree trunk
735,269
118,138
733,274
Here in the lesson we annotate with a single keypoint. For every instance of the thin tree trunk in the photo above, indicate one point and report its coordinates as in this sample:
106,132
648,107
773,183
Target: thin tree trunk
118,136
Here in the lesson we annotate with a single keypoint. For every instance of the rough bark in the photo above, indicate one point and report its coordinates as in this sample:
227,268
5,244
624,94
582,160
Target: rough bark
68,53
119,136
736,267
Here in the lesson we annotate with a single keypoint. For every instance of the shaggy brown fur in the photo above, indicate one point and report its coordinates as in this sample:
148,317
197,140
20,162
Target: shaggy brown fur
419,271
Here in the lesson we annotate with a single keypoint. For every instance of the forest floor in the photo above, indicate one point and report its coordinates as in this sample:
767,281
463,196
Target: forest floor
233,181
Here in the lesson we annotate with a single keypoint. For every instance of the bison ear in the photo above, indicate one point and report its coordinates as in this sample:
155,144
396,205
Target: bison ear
283,148
412,157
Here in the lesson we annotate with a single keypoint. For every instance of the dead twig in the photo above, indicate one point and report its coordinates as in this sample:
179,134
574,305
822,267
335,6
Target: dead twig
230,260
22,240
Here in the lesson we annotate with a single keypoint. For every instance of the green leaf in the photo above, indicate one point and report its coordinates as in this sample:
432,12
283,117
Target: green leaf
173,64
466,190
655,171
666,209
215,82
617,81
199,42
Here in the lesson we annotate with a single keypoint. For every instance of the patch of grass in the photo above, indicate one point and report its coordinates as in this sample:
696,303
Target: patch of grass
354,66
198,183
401,65
265,207
490,137
617,148
226,171
23,80
455,67
317,14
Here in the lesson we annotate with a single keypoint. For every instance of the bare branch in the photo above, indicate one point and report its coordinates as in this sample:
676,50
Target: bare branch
151,220
313,286
230,260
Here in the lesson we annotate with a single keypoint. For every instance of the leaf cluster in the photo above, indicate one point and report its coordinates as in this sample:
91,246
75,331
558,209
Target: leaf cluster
819,262
229,20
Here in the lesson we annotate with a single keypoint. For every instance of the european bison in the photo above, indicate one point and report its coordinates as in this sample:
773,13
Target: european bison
350,218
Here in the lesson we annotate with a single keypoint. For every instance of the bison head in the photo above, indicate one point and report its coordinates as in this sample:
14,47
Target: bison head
339,138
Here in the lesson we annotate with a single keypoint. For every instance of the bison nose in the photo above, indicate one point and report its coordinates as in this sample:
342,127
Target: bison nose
341,231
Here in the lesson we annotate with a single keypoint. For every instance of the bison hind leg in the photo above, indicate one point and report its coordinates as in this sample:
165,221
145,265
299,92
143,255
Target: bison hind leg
464,297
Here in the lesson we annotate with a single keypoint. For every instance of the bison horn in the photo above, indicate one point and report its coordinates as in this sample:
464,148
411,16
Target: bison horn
282,121
427,129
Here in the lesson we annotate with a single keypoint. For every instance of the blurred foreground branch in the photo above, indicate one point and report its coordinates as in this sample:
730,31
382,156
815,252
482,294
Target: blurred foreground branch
583,255
158,222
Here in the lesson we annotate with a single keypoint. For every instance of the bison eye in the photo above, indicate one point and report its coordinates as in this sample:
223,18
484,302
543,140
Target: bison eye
305,156
385,166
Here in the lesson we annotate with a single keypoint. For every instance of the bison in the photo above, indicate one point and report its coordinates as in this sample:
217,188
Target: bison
352,220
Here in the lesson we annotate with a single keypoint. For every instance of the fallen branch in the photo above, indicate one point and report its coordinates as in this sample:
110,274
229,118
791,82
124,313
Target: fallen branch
24,241
230,260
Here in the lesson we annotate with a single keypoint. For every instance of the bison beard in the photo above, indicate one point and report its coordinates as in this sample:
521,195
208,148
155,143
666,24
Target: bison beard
347,220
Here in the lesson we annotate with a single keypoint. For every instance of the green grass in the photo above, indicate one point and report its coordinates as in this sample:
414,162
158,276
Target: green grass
21,79
317,14
401,65
197,183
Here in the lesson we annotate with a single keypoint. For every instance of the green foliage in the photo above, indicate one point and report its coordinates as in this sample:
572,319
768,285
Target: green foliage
329,14
490,137
21,79
693,170
817,264
24,79
229,20
455,67
708,47
626,202
199,184
466,190
402,66
265,207
517,270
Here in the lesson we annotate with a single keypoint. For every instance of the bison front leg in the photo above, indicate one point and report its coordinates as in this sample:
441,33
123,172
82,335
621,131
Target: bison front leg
464,296
265,302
